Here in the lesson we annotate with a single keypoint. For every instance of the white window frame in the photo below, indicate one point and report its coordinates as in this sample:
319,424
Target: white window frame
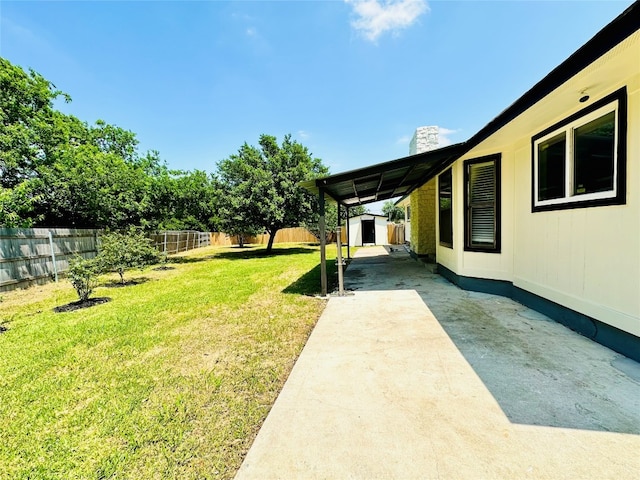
569,129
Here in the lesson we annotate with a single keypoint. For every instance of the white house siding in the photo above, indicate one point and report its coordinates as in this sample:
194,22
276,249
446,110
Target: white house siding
586,259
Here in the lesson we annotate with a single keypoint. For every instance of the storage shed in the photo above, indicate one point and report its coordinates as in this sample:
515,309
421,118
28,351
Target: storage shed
368,229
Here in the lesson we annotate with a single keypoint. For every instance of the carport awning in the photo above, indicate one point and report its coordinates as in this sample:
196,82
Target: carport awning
387,180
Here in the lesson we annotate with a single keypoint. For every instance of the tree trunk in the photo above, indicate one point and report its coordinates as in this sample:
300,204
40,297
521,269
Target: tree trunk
272,237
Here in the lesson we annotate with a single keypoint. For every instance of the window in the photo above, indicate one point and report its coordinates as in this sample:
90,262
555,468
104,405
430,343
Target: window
445,218
482,204
408,219
580,161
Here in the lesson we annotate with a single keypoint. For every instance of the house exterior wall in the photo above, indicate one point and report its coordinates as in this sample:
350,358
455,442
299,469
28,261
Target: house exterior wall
586,259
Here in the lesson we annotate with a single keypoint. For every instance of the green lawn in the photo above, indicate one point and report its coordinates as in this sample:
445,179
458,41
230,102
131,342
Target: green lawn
171,379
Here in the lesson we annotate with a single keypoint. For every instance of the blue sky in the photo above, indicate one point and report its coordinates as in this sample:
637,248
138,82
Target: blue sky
351,80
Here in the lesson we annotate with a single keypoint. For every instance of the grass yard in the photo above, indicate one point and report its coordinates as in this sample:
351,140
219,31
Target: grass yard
171,379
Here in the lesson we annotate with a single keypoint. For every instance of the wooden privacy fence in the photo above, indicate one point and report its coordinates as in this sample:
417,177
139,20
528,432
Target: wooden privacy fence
395,233
285,235
174,241
37,255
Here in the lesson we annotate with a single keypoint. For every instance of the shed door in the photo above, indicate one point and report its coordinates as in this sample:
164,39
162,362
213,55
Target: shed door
368,231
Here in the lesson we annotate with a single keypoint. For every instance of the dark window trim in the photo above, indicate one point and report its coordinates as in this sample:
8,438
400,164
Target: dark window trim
445,244
496,158
621,182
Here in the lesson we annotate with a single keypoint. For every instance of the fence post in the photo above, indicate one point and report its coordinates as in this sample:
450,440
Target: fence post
164,245
53,256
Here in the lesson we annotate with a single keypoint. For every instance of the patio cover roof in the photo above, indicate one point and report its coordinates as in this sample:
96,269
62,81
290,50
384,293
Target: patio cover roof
398,178
385,180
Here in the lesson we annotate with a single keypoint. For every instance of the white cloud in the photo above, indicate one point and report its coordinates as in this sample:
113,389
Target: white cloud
443,136
251,32
303,135
404,140
374,17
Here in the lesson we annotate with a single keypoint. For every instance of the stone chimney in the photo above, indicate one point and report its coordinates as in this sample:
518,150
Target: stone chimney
424,139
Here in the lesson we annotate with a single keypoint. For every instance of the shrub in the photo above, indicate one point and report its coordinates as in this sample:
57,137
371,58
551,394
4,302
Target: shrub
120,252
83,275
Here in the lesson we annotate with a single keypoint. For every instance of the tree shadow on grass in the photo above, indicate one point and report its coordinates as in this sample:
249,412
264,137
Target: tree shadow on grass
245,254
180,260
163,268
127,283
309,283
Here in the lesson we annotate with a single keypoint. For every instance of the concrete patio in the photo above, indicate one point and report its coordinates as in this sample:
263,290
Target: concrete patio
411,377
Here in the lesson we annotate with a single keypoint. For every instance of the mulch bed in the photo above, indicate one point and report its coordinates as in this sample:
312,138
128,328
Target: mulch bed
70,307
164,267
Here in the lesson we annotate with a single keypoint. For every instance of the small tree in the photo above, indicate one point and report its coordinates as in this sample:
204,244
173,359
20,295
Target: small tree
83,275
120,252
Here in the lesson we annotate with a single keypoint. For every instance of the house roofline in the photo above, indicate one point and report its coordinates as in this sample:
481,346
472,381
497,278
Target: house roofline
614,33
622,27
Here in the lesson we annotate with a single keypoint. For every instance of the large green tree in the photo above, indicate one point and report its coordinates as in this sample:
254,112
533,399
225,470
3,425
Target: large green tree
259,186
58,170
184,200
27,119
87,188
393,212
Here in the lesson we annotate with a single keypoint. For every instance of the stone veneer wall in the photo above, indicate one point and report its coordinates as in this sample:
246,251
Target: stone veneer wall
423,199
423,226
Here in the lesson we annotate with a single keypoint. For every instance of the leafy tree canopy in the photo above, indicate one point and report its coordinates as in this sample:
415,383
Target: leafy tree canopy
259,186
27,118
57,170
392,211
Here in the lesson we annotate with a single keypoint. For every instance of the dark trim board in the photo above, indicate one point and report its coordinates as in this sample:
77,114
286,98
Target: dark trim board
611,337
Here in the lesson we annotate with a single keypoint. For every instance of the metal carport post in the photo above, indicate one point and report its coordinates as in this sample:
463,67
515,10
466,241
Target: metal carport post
323,245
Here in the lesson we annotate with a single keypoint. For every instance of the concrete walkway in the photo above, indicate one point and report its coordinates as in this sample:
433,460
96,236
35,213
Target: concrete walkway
483,389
